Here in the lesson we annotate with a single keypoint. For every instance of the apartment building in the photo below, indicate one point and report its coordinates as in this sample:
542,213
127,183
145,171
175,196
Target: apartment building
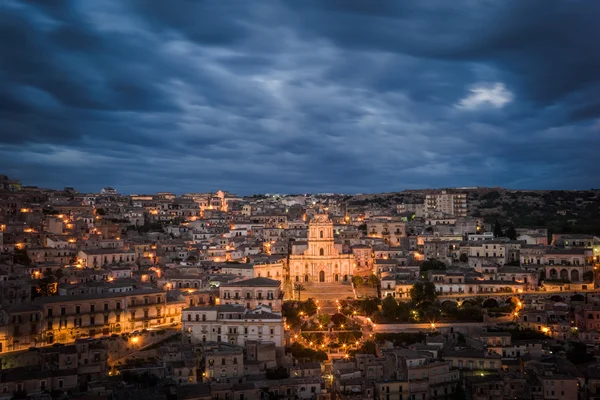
454,204
65,318
99,257
252,293
233,324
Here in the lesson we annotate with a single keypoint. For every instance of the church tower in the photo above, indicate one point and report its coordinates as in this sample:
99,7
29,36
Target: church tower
321,261
320,237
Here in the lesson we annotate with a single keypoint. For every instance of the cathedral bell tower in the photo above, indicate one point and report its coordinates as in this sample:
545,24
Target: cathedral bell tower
320,237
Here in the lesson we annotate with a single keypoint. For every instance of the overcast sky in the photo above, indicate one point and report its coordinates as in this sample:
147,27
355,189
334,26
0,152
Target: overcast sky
300,95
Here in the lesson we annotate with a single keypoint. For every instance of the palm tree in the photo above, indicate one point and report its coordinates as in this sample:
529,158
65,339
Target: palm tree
298,287
373,281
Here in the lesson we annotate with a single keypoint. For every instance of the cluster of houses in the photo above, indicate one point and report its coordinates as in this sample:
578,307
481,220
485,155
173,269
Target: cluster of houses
79,271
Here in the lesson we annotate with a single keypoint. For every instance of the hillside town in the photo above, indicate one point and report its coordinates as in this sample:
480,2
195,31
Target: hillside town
417,295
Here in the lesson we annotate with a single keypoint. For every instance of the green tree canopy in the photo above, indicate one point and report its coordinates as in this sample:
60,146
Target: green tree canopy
432,264
389,308
373,281
309,307
338,319
368,306
498,229
357,281
511,232
423,291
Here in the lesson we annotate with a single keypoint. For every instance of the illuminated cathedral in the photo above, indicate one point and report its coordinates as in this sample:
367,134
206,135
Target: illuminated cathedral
321,262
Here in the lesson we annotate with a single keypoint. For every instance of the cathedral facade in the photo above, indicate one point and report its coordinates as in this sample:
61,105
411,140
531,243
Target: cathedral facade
321,262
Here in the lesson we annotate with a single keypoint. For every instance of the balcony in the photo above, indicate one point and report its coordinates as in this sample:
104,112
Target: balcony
144,305
148,318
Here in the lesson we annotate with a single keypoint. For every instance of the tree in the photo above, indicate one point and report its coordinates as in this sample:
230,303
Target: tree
298,287
368,347
511,232
498,229
432,264
449,308
373,281
338,319
368,306
431,313
469,313
304,353
588,276
422,292
309,307
324,319
389,309
463,258
290,312
357,281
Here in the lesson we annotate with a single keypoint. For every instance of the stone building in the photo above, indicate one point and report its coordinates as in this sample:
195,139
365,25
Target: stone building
322,261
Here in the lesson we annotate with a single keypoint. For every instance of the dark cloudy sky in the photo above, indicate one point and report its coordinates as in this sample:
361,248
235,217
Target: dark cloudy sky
300,95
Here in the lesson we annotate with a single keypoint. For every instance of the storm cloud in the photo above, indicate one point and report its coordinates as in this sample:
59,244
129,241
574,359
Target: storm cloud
299,96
